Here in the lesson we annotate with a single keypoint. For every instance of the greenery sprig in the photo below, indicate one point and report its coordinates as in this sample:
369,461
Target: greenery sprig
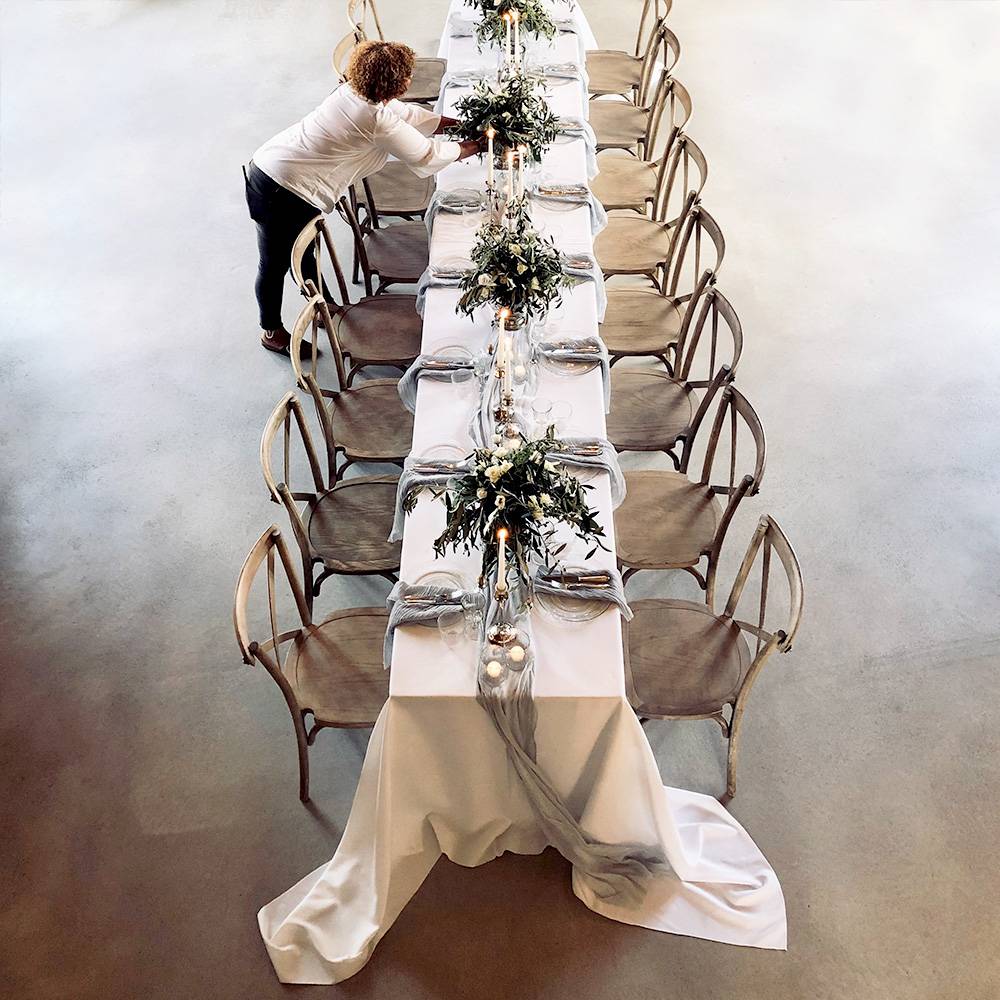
534,20
515,107
517,487
516,269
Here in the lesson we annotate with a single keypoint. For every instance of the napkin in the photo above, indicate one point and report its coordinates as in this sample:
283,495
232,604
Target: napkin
425,611
555,583
592,453
430,365
574,194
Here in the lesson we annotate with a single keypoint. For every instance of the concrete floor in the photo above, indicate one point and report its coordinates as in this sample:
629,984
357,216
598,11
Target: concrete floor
148,796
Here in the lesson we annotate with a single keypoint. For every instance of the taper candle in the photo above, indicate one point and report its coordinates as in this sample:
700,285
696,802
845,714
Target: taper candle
510,175
502,570
516,14
507,18
521,151
490,132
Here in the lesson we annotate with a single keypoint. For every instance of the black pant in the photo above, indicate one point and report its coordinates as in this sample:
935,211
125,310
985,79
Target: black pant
280,215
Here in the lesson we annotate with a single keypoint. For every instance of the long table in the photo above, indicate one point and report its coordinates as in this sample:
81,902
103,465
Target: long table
436,778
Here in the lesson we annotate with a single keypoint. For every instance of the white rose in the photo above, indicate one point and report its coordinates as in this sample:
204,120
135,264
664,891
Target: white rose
481,493
506,467
548,466
493,473
501,501
546,500
521,268
535,285
485,279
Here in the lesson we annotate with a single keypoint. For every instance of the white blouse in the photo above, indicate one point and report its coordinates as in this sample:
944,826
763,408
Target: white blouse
348,138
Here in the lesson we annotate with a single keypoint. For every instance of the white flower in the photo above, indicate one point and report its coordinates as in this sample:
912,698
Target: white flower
521,268
548,466
485,279
493,473
501,501
535,285
515,248
481,493
546,500
506,467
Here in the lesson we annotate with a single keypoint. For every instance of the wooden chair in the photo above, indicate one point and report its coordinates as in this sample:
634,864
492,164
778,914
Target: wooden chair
645,321
363,423
396,191
342,54
628,78
331,670
656,410
427,72
631,243
633,128
614,71
383,330
342,524
394,255
668,521
685,661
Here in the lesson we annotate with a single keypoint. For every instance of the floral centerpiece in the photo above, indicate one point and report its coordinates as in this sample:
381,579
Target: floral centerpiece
515,269
515,108
533,19
515,496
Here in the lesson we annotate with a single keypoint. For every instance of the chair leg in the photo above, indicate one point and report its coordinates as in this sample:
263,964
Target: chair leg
303,747
732,755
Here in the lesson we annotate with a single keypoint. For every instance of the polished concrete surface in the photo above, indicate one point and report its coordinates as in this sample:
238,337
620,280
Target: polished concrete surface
149,794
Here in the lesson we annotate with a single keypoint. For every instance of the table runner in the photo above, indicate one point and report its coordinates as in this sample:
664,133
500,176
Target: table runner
437,778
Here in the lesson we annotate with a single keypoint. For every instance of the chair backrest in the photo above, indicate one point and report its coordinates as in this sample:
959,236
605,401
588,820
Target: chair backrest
346,209
683,171
671,105
699,336
687,257
660,56
735,419
342,53
315,237
358,13
766,539
268,652
654,12
316,313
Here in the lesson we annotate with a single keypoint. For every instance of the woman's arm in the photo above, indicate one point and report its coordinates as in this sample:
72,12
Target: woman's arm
422,155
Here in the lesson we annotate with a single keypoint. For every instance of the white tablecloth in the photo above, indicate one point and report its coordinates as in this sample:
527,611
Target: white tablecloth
436,778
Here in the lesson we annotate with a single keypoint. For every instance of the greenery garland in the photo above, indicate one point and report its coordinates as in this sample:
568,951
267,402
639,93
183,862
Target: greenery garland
516,487
516,269
533,18
515,107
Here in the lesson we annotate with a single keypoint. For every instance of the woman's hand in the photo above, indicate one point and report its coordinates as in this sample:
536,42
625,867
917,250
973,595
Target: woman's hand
471,147
446,123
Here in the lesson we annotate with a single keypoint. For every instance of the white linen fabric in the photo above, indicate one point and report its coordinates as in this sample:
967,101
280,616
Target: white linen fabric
347,139
437,778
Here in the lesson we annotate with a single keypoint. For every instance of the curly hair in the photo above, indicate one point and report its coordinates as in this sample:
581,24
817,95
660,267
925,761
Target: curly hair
378,71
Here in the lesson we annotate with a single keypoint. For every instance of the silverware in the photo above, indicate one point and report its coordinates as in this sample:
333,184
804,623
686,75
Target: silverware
584,450
572,352
431,599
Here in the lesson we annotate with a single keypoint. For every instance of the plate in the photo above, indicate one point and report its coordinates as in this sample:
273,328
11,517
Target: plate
567,367
570,609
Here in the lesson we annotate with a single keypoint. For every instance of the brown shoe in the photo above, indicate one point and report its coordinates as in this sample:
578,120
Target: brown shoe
278,342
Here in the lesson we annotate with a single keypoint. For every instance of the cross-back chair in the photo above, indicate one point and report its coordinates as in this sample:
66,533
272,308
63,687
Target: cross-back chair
339,524
330,670
684,660
366,422
671,521
653,410
631,242
390,255
614,71
634,128
427,72
629,78
383,330
645,320
342,54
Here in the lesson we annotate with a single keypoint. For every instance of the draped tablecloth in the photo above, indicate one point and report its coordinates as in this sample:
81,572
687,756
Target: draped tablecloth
436,777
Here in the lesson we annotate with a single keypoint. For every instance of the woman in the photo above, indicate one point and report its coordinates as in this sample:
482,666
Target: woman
308,167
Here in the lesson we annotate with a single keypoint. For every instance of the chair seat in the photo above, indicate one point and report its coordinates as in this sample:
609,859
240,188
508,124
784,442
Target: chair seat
649,410
348,525
381,328
335,668
632,245
426,83
397,190
610,71
682,659
640,321
617,125
624,182
370,422
399,251
666,521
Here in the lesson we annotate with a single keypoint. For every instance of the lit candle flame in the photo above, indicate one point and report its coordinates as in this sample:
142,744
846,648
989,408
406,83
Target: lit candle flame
502,536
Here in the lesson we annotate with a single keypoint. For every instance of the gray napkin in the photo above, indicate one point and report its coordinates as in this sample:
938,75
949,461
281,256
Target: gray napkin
431,366
418,472
435,278
583,349
586,268
574,194
593,453
402,612
564,585
451,203
578,128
